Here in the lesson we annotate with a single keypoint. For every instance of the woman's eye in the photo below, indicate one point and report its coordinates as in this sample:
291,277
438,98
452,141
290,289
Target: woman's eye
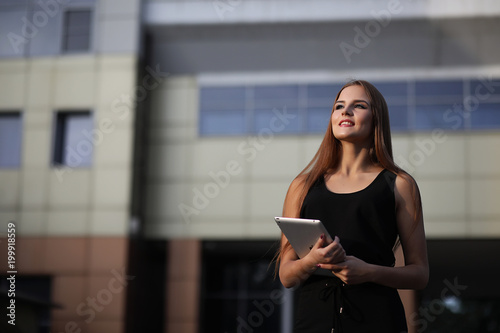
338,106
361,106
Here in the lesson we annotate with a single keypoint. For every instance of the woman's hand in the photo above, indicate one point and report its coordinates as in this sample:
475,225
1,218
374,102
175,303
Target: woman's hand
351,271
324,253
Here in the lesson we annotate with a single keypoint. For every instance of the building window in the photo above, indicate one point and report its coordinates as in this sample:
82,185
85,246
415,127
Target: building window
282,109
414,105
73,144
10,139
77,30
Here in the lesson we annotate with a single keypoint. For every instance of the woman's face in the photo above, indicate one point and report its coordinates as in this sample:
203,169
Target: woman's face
352,116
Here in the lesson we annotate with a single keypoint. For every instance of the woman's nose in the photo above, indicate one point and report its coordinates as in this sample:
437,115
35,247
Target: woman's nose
347,111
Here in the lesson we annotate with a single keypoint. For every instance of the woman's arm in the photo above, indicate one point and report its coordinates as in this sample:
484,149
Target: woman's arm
293,271
415,273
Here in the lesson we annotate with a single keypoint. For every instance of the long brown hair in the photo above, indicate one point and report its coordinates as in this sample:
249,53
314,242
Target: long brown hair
327,157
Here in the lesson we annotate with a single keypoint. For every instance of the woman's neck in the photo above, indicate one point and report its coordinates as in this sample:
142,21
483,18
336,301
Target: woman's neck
354,158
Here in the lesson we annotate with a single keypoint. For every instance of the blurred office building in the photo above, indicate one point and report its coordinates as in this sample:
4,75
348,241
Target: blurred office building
145,147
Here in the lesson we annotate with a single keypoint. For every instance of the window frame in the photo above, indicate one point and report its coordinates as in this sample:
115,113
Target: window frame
64,29
19,115
60,123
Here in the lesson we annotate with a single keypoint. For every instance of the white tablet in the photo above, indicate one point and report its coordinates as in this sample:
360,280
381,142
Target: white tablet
302,233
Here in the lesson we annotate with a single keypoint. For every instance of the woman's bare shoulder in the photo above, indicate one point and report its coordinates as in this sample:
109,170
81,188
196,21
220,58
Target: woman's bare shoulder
298,182
406,188
293,196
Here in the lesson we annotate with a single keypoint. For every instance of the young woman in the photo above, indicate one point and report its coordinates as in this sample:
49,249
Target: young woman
370,206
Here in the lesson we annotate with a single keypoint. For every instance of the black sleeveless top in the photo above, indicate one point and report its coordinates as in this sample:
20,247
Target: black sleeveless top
365,222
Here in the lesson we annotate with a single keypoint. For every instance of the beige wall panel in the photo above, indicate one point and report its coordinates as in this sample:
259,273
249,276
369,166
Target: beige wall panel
72,222
457,228
7,216
13,81
10,180
266,199
229,203
117,62
442,155
38,117
484,154
215,156
111,187
34,188
120,114
32,222
75,82
13,65
40,83
487,228
277,159
263,228
69,189
401,147
443,198
109,222
36,148
114,84
309,147
484,199
113,148
42,63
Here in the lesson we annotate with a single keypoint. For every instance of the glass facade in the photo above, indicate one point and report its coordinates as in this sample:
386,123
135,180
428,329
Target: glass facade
414,105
